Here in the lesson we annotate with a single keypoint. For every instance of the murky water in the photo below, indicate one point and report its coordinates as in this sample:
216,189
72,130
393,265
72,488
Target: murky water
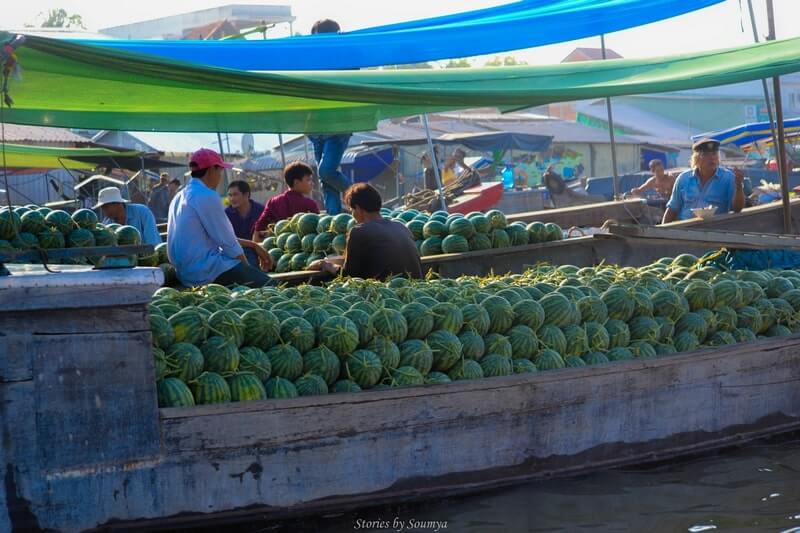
754,488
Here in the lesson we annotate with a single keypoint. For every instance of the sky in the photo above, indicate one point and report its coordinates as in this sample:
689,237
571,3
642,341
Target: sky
720,26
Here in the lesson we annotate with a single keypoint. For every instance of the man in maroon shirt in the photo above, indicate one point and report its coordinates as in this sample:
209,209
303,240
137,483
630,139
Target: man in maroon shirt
298,177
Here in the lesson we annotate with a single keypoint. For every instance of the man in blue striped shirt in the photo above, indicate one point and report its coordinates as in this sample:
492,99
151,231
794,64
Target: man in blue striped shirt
201,243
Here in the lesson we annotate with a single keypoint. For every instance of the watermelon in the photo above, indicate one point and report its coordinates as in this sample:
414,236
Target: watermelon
728,293
592,309
346,385
220,354
416,227
767,312
537,233
307,243
597,337
481,224
494,365
300,334
619,353
691,323
227,324
455,244
418,354
434,228
498,344
558,310
644,328
447,316
339,244
361,320
497,219
406,376
466,369
577,341
363,367
666,328
437,378
524,344
476,318
777,286
551,337
172,392
293,244
618,333
642,349
50,238
595,358
307,224
574,361
310,385
189,326
261,328
501,314
722,338
699,294
431,246
479,241
286,361
726,318
280,388
619,303
163,335
663,349
500,238
446,349
246,386
461,227
472,345
255,360
523,366
554,232
686,341
389,323
419,319
209,388
85,218
127,236
744,335
323,362
32,222
61,221
386,350
548,360
777,330
80,238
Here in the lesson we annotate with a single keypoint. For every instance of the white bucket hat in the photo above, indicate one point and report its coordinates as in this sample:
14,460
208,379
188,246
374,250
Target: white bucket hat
109,195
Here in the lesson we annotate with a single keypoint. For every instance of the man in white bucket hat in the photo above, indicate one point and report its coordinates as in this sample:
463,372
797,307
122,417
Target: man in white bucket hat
118,210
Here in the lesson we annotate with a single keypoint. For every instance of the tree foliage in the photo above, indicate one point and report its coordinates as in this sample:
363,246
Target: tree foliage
59,18
507,61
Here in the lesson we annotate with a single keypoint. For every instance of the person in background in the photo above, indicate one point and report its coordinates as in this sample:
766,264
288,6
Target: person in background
448,171
329,149
376,247
243,212
174,186
706,184
119,211
468,175
201,243
660,181
299,178
160,198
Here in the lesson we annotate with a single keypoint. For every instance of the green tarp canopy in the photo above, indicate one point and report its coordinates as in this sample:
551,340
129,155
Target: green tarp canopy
24,156
73,85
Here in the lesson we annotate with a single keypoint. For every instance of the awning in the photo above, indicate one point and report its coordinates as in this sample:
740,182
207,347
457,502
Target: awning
513,26
72,85
25,156
746,134
366,164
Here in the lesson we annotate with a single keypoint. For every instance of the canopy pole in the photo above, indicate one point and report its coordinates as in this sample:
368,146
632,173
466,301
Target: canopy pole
434,160
611,130
305,147
222,153
283,155
781,140
764,86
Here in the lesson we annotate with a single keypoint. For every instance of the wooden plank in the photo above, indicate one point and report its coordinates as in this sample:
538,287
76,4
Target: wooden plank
63,253
715,238
765,218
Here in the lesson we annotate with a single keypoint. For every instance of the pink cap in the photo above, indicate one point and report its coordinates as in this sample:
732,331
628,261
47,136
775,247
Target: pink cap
207,158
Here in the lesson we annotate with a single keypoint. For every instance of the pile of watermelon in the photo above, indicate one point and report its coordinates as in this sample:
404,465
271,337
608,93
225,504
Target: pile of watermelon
307,237
32,227
217,344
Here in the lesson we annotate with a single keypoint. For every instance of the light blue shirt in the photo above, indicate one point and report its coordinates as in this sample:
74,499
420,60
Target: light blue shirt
140,217
200,239
687,194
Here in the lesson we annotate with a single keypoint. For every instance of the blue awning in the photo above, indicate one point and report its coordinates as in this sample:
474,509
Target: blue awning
513,26
745,134
366,164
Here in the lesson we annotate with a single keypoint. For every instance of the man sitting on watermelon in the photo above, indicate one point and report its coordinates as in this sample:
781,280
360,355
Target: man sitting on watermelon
118,210
201,244
376,247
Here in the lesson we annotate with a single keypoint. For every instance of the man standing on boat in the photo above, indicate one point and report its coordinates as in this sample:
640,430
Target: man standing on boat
376,247
329,149
706,184
201,244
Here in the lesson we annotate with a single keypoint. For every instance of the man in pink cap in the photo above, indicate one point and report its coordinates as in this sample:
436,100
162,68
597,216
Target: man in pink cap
201,243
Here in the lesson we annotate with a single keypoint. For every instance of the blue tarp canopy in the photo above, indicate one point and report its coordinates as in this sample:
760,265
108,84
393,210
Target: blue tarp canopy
366,164
513,26
481,142
746,134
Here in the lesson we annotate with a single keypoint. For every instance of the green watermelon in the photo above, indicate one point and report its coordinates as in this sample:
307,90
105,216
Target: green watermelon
523,366
389,323
644,328
476,318
528,313
501,314
574,361
255,360
686,341
548,360
434,228
431,246
363,367
692,323
619,353
127,236
447,316
220,354
551,337
172,392
386,350
261,328
472,345
446,348
537,232
280,388
286,361
523,341
294,244
85,218
246,386
419,319
32,222
50,238
494,365
60,220
406,376
558,310
210,387
299,333
189,326
323,362
619,303
619,334
307,224
437,378
597,337
310,385
500,238
307,243
418,354
479,241
80,238
642,349
699,294
454,244
595,358
461,227
466,369
340,222
577,341
361,320
227,324
163,335
346,385
592,309
554,232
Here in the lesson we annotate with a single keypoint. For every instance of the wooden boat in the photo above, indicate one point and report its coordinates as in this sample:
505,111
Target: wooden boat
767,218
632,211
481,198
86,447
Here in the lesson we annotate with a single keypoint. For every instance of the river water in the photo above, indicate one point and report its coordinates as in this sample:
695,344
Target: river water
753,488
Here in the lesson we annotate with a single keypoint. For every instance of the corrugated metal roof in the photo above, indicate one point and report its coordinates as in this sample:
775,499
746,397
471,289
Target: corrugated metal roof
15,133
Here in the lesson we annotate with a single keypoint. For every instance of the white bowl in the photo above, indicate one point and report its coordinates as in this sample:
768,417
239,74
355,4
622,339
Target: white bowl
704,212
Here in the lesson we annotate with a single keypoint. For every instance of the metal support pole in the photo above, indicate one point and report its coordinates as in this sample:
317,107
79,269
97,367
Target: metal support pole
305,147
222,153
280,145
611,130
434,160
764,86
780,142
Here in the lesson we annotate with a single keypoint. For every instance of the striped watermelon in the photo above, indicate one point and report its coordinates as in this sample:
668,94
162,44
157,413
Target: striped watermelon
558,310
595,358
699,294
597,337
554,232
481,223
406,376
472,345
497,219
323,362
437,378
389,323
480,241
666,328
261,329
220,355
501,315
210,387
726,318
189,326
416,228
340,334
498,344
280,388
577,341
528,313
163,335
455,244
172,392
316,316
777,330
346,385
644,328
286,361
524,343
466,369
434,228
619,303
500,238
767,312
416,353
523,366
691,323
574,361
537,232
361,320
299,333
255,360
777,286
32,222
744,335
728,293
552,338
447,316
419,319
431,246
494,365
642,349
686,341
723,338
461,227
226,323
593,309
476,319
618,333
619,353
310,385
386,350
363,367
664,349
548,360
446,349
185,361
246,386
